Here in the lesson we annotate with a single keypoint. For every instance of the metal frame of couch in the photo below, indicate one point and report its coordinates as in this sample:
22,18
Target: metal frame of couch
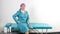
35,26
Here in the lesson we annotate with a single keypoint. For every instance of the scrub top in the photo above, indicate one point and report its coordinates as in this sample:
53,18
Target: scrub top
21,19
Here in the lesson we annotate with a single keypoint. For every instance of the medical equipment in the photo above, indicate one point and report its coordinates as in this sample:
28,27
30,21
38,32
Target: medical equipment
33,26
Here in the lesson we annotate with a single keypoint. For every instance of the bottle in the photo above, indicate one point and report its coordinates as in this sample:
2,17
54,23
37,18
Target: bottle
5,29
10,29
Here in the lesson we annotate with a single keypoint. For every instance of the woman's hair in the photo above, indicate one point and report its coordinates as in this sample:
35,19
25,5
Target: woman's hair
22,4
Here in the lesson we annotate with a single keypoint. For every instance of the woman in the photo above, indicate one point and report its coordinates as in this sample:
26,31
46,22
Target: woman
21,17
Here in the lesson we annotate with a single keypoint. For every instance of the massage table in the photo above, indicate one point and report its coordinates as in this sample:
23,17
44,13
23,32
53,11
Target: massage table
31,26
40,26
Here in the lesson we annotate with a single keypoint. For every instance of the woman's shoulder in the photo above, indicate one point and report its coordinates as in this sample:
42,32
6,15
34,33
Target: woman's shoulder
19,11
26,11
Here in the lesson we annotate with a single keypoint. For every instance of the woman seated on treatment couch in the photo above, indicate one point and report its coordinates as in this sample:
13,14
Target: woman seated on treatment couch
22,20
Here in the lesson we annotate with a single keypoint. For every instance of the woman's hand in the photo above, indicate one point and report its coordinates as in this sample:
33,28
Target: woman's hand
19,22
28,25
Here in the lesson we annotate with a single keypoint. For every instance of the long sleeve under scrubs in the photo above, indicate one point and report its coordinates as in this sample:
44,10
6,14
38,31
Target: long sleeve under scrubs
21,19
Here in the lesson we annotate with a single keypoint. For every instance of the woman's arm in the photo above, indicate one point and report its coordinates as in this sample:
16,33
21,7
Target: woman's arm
27,20
14,17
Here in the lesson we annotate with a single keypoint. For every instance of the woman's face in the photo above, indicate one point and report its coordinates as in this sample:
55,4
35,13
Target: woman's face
22,7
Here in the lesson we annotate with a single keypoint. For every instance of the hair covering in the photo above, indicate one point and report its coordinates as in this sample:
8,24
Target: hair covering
22,4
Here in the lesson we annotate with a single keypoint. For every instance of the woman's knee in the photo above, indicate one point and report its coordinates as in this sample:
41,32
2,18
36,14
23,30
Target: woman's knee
27,32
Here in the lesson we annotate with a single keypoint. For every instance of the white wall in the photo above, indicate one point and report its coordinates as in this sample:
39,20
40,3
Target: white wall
43,11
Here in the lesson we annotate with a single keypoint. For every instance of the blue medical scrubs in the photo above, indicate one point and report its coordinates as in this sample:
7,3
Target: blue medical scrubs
22,20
